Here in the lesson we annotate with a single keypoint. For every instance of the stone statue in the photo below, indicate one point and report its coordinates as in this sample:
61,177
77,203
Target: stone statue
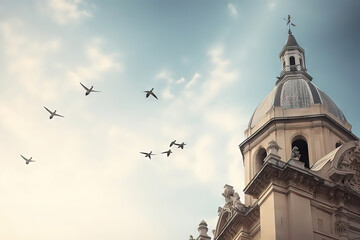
235,199
237,204
191,238
295,153
228,193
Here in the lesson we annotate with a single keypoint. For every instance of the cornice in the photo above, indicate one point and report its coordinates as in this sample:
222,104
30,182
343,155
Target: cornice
289,175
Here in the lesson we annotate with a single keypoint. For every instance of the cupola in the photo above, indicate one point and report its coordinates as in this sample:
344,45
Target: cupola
297,115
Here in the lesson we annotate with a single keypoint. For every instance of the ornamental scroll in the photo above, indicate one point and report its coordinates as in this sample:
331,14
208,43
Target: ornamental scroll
350,161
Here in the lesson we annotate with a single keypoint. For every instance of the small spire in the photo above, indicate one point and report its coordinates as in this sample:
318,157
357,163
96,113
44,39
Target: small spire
203,231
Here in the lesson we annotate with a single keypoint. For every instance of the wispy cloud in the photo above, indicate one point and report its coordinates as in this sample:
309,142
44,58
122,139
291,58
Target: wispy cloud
193,80
165,75
98,63
67,11
181,80
232,9
27,59
166,93
195,99
220,77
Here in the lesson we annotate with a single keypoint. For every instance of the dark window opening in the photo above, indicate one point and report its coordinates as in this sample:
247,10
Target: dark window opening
284,64
301,62
303,149
260,156
292,61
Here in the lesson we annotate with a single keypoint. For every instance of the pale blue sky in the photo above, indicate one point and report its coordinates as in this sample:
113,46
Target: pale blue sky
211,63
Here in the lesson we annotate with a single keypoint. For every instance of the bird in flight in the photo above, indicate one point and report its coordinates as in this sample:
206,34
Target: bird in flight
27,160
172,143
181,145
167,152
52,114
148,93
88,90
148,154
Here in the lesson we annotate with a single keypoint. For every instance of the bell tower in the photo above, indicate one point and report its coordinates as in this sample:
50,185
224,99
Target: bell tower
302,165
292,56
295,114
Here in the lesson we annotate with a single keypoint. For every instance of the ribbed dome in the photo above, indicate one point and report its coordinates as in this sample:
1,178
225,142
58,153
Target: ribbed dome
295,93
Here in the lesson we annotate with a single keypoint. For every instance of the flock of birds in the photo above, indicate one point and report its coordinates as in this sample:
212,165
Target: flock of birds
90,90
168,152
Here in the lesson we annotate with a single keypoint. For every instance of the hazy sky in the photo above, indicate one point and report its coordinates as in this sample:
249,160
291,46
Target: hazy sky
211,63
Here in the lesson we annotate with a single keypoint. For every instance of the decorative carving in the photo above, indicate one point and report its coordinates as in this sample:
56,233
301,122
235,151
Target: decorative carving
232,201
350,161
273,149
191,238
232,207
341,228
228,193
350,156
354,181
220,210
237,204
295,153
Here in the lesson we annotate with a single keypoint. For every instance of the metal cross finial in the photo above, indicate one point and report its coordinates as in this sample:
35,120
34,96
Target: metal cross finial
289,23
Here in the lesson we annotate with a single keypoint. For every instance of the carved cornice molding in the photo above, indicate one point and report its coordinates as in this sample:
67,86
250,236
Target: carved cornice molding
340,195
286,175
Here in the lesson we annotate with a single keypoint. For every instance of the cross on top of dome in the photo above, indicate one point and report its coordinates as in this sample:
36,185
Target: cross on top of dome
289,23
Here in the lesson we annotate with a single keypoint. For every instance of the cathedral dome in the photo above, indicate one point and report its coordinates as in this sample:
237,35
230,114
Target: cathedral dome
295,93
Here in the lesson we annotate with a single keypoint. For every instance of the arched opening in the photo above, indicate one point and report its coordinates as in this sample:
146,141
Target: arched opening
301,64
292,61
301,144
283,64
338,144
259,159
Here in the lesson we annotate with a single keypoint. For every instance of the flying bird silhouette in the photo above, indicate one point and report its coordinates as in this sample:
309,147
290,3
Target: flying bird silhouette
148,154
52,114
148,93
172,143
88,90
181,145
167,152
27,160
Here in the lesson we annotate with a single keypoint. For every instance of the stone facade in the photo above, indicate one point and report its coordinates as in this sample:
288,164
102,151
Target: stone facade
302,166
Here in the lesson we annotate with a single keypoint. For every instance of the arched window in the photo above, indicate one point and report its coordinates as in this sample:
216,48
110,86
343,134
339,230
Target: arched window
259,159
301,144
338,144
292,61
301,65
283,64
